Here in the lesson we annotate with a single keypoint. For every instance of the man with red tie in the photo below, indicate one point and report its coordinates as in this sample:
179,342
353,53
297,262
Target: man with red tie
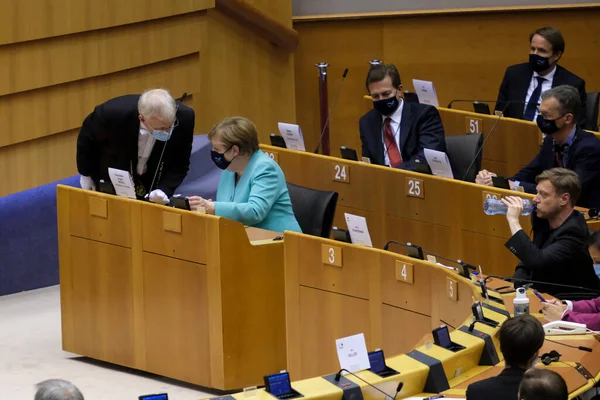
395,133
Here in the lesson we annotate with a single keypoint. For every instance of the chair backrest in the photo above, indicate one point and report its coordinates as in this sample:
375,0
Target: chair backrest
591,104
461,150
314,209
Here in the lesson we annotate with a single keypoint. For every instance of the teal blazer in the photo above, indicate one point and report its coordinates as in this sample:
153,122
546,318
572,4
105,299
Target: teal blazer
261,197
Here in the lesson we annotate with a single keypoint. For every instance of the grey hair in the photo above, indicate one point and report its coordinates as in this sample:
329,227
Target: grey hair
568,98
157,103
57,389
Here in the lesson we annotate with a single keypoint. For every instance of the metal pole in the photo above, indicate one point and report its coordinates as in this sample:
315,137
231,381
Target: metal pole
323,106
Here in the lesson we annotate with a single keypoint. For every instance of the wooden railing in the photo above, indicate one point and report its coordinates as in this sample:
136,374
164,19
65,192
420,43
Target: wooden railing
267,27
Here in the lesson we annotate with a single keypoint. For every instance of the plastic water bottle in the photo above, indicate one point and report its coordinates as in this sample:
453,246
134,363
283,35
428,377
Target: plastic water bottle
521,302
495,207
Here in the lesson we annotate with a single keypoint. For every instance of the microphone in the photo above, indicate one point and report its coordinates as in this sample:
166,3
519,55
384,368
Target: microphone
582,348
465,266
331,110
593,213
338,376
158,166
470,101
518,280
488,136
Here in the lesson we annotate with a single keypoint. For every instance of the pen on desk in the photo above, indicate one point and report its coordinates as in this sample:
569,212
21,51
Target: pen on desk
439,396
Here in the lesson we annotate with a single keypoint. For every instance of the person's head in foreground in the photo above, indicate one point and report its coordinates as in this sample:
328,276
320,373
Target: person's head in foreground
57,389
542,384
234,141
557,192
520,340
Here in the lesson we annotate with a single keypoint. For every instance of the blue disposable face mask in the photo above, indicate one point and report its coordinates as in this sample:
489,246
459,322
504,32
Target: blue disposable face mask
160,135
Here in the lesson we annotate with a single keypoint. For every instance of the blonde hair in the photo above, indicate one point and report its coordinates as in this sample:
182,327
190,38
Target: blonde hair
564,181
236,131
157,103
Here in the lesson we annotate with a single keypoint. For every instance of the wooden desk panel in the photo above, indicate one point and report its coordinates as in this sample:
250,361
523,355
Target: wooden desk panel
174,233
403,328
176,311
348,279
102,301
325,317
101,217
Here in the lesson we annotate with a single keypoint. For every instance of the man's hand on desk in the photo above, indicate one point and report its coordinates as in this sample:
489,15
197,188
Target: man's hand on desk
87,183
484,177
515,208
197,201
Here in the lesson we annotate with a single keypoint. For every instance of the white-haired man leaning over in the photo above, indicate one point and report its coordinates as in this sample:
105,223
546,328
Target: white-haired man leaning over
57,389
129,133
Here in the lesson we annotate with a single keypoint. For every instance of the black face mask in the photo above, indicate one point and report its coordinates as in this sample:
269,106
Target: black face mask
539,63
219,159
547,126
387,106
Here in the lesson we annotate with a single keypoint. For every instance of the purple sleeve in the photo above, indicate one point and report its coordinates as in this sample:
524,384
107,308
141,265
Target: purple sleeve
587,306
591,320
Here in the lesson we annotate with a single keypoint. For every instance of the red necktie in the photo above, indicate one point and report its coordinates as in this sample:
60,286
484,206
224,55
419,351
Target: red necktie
390,144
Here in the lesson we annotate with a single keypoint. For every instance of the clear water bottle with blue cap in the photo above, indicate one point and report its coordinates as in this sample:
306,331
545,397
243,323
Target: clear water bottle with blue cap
496,207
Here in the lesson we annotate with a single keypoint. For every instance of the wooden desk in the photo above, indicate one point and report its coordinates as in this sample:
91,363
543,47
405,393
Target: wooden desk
334,289
512,145
447,219
168,291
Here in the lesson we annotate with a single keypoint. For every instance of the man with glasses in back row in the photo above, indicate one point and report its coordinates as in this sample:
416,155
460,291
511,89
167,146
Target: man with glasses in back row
130,133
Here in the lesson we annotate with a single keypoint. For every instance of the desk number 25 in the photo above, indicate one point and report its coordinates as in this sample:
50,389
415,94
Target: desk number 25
414,188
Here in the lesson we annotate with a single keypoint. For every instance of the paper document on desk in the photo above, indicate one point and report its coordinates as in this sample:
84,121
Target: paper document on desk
352,353
359,232
439,163
426,92
292,135
122,182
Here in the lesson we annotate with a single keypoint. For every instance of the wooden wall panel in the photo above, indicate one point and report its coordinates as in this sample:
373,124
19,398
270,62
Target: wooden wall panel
94,53
63,107
37,162
26,20
465,55
261,87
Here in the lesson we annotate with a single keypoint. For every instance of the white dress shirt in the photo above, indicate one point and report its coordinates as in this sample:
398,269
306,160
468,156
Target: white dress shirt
145,145
395,125
546,85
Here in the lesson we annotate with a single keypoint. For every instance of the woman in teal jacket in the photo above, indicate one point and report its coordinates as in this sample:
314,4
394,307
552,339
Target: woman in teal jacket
252,188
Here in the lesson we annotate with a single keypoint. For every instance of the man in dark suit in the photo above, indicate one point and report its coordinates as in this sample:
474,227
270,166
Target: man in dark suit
523,84
558,252
130,133
395,133
520,341
566,145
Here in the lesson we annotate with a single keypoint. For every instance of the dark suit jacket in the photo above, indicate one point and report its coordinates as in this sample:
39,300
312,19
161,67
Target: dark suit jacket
505,386
109,138
516,82
555,255
420,127
583,158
